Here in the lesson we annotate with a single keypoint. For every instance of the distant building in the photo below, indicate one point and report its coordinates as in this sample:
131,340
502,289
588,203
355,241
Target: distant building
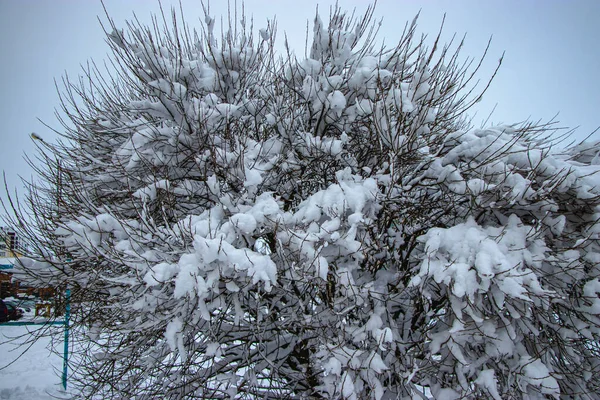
10,245
10,248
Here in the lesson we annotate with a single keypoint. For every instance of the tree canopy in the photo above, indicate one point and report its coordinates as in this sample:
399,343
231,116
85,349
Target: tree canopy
235,222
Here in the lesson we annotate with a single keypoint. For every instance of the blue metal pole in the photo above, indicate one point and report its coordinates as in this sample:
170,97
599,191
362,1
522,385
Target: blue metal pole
66,349
27,323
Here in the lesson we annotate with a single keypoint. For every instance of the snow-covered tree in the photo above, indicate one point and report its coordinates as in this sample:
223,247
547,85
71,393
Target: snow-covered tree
238,223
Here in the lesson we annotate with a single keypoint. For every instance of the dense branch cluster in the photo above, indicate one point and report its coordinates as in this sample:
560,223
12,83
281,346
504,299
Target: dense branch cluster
237,223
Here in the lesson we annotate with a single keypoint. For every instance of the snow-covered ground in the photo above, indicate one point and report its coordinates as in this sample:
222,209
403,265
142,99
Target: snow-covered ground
33,375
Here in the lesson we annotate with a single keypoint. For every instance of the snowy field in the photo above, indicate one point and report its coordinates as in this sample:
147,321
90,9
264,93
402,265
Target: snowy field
34,375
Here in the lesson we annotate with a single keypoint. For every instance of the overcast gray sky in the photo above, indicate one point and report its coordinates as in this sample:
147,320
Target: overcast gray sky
552,61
